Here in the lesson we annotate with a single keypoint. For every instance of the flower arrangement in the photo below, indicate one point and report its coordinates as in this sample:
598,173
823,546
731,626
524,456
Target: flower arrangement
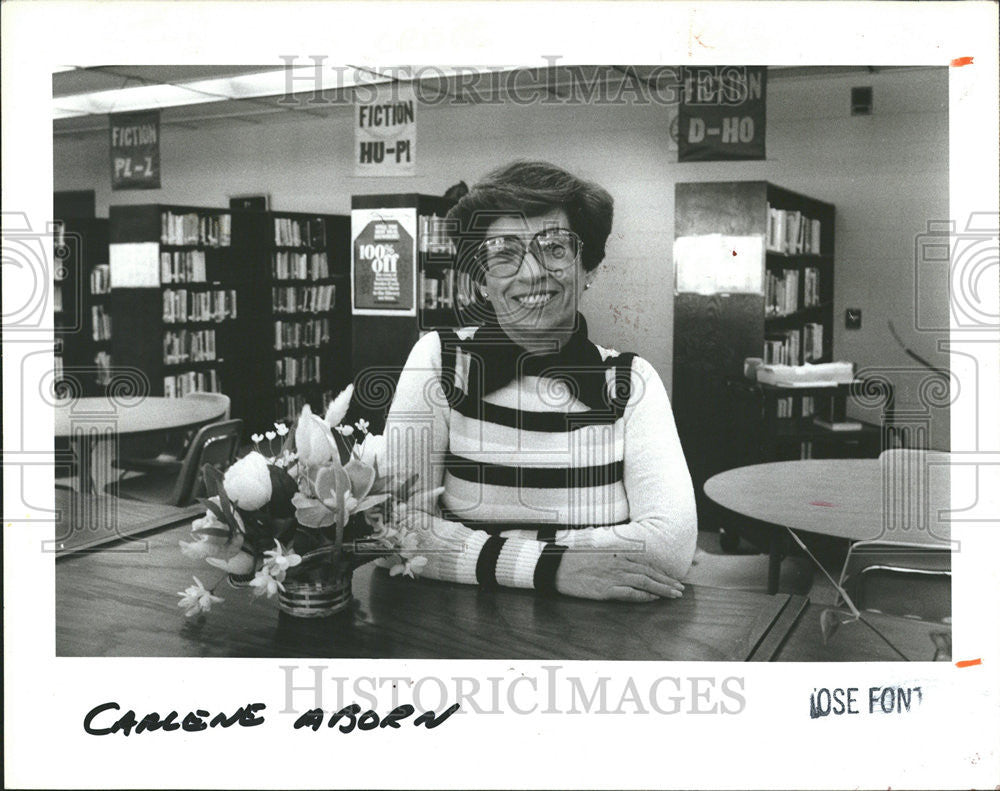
295,522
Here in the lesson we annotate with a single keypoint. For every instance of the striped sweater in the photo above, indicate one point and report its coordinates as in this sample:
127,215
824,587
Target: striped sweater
529,470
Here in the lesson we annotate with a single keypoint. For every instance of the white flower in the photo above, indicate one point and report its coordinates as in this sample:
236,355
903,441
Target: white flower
197,599
371,451
263,583
270,435
338,407
248,482
255,438
281,428
344,431
409,567
278,561
314,443
362,425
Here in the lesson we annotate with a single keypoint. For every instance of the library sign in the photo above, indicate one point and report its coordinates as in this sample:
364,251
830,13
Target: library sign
135,151
385,133
383,262
722,114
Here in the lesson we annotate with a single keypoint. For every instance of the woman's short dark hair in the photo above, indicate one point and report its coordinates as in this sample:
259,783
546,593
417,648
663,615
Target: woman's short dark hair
531,189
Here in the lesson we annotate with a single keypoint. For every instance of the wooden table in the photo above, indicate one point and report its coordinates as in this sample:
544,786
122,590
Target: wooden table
833,497
85,421
125,604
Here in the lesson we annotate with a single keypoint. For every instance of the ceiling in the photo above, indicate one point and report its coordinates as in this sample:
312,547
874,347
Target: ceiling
195,96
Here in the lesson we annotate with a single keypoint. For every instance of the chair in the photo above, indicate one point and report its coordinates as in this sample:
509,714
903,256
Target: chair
215,444
133,451
914,552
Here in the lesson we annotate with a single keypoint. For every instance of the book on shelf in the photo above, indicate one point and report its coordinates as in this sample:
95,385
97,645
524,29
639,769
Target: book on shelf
102,360
303,333
181,305
791,232
810,286
449,289
291,265
838,425
181,346
433,237
303,299
179,385
57,367
289,371
781,295
290,232
784,407
782,348
100,279
100,323
812,342
182,266
57,298
289,405
191,228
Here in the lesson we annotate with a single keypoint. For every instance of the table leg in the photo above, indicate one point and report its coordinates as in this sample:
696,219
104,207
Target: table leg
774,559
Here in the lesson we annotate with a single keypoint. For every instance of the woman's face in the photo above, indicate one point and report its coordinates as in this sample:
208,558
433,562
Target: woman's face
534,300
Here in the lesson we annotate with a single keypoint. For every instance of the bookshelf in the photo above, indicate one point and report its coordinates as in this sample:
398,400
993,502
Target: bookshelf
81,305
178,298
785,315
442,296
301,311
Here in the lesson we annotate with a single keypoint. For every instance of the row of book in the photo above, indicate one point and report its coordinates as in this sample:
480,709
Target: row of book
298,334
785,407
290,406
433,237
792,233
794,347
290,371
288,265
100,322
781,291
181,305
300,233
211,230
182,346
450,290
303,299
180,385
102,361
182,266
100,279
57,298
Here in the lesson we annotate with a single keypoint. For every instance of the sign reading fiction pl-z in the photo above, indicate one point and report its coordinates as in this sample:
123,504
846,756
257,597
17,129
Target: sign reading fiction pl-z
135,151
385,133
383,262
722,115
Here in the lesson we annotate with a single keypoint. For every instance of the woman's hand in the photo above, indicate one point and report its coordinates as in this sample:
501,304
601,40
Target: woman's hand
613,575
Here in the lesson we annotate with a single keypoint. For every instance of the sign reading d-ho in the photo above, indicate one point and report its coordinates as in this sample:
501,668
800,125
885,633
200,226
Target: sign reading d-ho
135,150
722,114
385,131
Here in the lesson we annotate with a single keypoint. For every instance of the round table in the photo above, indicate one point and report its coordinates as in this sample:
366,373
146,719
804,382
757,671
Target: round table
843,498
86,420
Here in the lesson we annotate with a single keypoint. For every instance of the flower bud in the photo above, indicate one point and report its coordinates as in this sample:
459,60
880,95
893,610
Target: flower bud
248,482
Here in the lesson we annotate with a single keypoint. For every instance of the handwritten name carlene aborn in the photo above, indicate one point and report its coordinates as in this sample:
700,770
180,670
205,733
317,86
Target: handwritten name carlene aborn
101,720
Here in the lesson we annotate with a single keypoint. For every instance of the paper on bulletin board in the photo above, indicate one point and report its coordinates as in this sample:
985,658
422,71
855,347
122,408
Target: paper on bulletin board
384,262
718,264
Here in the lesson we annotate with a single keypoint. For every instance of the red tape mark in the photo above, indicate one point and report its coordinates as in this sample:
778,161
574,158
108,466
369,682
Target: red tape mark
968,662
823,503
966,61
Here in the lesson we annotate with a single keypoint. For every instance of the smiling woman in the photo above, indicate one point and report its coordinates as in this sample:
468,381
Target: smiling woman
558,459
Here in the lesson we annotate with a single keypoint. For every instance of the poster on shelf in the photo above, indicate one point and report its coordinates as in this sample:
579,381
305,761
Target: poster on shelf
385,132
383,262
722,114
135,150
718,264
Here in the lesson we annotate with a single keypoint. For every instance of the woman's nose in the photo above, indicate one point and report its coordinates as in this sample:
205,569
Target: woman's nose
531,269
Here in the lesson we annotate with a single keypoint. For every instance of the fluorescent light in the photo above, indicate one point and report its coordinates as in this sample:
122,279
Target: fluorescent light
298,79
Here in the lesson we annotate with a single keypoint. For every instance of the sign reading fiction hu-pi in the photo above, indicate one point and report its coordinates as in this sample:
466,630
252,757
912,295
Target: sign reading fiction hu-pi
383,258
135,151
722,115
385,132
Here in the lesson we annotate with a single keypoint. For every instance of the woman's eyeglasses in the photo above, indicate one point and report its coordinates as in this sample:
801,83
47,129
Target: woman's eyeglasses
556,249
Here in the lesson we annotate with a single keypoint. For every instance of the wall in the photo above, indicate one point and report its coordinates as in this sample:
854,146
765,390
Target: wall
887,174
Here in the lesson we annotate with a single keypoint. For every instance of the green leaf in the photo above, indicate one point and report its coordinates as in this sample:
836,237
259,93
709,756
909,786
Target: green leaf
283,488
218,532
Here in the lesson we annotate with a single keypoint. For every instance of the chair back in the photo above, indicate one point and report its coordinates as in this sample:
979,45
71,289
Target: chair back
216,444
